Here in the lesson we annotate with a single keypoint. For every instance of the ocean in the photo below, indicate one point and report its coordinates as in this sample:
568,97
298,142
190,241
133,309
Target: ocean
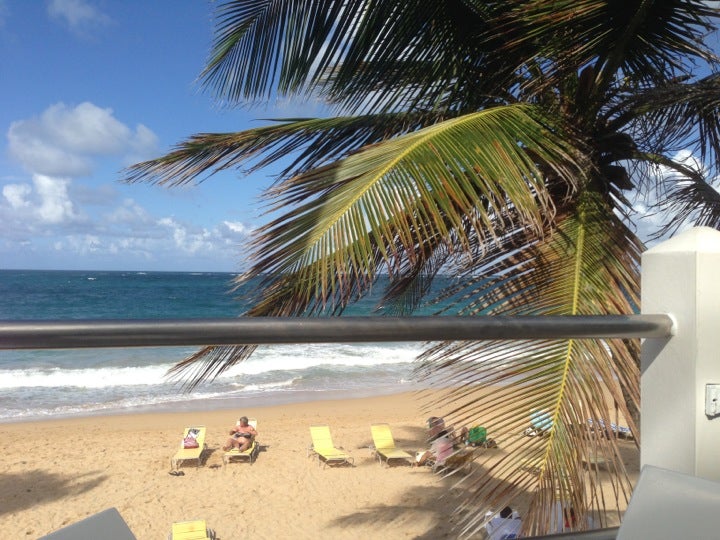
42,384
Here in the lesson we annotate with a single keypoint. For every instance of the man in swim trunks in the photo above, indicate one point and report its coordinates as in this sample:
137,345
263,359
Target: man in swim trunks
241,436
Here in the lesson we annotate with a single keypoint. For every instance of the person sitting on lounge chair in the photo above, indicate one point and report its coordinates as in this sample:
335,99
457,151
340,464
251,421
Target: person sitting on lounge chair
505,526
442,447
241,436
437,428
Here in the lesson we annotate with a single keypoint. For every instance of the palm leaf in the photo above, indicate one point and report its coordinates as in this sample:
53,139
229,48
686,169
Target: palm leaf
588,266
471,166
676,116
383,207
263,45
643,40
689,200
362,55
308,142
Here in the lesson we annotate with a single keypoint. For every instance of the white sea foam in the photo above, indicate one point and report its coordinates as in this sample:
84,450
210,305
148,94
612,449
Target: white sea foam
285,357
83,378
265,360
267,386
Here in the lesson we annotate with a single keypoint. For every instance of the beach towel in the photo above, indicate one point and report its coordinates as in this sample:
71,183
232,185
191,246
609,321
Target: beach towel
190,441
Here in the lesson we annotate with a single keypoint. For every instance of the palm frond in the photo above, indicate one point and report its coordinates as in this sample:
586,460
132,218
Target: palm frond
642,40
362,56
589,265
677,116
285,45
689,201
308,143
208,363
421,185
397,204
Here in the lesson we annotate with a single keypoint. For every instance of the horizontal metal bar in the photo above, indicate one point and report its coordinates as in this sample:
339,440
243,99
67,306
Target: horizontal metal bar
75,334
597,534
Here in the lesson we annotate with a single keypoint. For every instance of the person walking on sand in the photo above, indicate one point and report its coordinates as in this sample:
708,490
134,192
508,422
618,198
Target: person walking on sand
241,436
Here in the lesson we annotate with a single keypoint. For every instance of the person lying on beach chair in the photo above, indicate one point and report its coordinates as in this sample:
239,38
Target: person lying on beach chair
437,428
241,436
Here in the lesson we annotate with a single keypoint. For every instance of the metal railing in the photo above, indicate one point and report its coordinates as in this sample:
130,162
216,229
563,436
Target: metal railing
73,334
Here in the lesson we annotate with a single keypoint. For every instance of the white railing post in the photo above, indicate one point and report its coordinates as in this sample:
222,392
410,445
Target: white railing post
680,278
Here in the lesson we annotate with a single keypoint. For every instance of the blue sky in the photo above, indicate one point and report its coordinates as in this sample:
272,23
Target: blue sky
92,86
89,87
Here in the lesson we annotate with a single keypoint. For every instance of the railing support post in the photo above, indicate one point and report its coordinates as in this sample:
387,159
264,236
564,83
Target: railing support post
680,278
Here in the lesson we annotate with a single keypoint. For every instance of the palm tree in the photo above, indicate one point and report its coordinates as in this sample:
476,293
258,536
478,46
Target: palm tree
496,141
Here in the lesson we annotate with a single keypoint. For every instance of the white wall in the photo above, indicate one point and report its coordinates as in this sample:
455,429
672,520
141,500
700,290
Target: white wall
681,277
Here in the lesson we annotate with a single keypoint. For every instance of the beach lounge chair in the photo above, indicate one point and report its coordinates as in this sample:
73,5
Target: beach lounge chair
385,448
248,455
191,530
446,455
323,448
620,432
457,461
189,454
540,424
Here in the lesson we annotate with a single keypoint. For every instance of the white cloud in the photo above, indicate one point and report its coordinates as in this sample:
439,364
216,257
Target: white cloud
55,204
38,155
189,240
235,227
129,214
79,15
40,220
62,141
17,194
46,202
143,145
80,244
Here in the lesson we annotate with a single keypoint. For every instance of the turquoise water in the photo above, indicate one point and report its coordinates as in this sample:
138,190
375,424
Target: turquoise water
41,384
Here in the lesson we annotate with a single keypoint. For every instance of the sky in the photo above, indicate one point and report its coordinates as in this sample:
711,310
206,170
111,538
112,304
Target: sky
90,87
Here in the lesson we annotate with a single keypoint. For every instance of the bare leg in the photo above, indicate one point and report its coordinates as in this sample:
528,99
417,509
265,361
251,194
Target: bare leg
427,456
243,443
229,444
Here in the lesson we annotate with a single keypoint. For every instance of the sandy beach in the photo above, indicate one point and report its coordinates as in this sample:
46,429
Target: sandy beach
55,473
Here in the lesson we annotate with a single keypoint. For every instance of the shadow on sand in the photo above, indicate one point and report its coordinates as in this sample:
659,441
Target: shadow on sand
440,501
25,490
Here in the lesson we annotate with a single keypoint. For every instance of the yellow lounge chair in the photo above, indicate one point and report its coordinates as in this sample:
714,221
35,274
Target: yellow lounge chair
323,447
191,530
385,445
186,454
250,454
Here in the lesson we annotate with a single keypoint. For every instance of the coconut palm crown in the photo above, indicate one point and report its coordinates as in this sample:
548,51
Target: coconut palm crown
495,141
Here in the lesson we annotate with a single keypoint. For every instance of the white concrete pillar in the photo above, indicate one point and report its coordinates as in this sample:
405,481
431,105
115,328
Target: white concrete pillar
681,277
